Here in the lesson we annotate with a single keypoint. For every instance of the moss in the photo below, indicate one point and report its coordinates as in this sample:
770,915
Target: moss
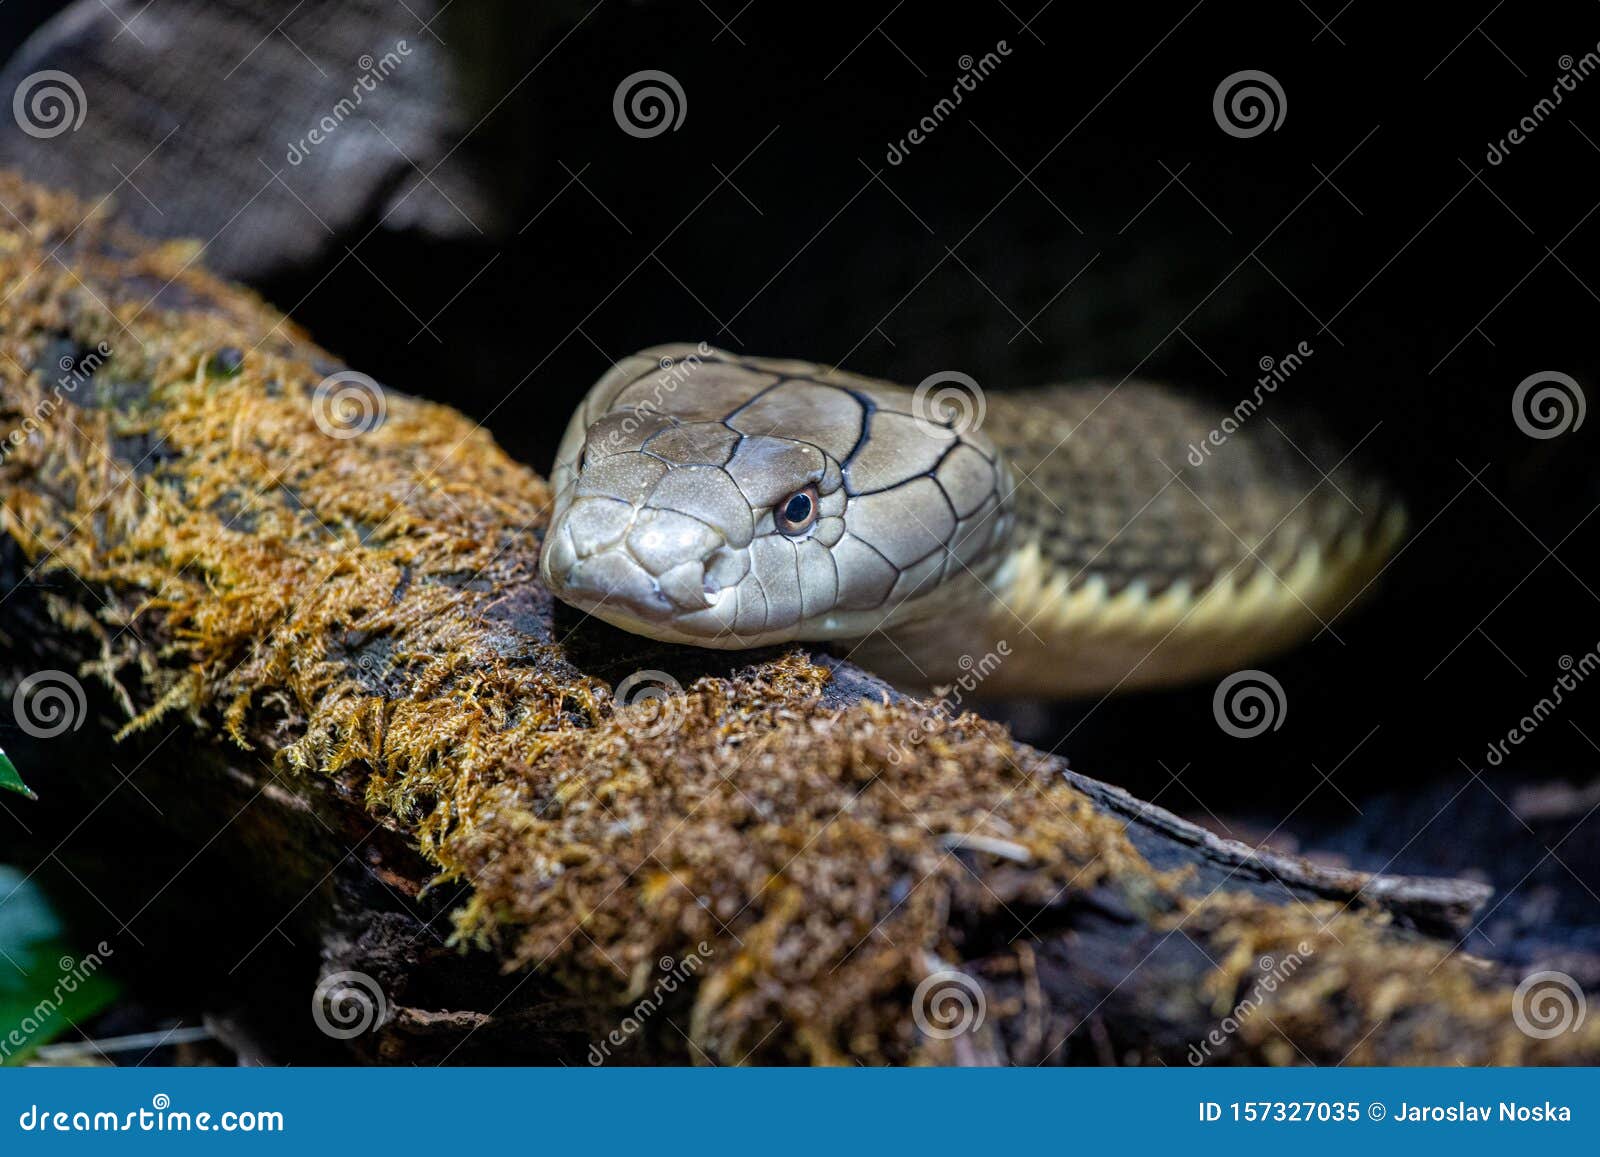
368,607
1356,991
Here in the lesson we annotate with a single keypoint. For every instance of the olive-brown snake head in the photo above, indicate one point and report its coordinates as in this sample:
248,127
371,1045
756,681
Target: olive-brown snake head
733,502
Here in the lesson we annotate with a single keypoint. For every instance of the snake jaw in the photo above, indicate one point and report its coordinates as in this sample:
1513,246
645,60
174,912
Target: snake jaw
691,602
637,563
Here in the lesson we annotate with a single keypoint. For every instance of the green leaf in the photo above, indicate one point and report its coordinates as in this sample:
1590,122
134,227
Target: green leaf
47,983
10,780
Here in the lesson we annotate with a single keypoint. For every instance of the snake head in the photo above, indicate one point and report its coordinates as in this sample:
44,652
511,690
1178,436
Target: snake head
723,501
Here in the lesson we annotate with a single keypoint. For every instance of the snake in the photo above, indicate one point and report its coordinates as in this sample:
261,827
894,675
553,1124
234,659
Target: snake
1052,542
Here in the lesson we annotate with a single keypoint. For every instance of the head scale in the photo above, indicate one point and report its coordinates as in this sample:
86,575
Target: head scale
725,501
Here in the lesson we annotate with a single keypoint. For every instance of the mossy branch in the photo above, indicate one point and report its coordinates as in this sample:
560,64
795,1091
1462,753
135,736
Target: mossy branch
336,615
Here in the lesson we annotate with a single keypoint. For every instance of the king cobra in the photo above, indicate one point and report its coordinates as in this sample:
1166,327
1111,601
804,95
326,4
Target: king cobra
718,500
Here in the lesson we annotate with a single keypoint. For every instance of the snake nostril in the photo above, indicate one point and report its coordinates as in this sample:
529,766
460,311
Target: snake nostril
685,585
724,568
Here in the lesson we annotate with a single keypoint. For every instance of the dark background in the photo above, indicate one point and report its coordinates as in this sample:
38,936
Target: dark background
1369,225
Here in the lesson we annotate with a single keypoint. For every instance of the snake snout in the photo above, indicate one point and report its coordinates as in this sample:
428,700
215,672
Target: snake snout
645,561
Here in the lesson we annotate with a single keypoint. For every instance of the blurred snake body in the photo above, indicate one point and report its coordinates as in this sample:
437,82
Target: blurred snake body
1060,541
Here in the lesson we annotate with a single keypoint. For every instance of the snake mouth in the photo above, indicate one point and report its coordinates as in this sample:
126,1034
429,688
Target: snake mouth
641,577
615,579
646,610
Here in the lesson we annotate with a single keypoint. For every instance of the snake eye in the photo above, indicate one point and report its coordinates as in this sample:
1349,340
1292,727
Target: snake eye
796,513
